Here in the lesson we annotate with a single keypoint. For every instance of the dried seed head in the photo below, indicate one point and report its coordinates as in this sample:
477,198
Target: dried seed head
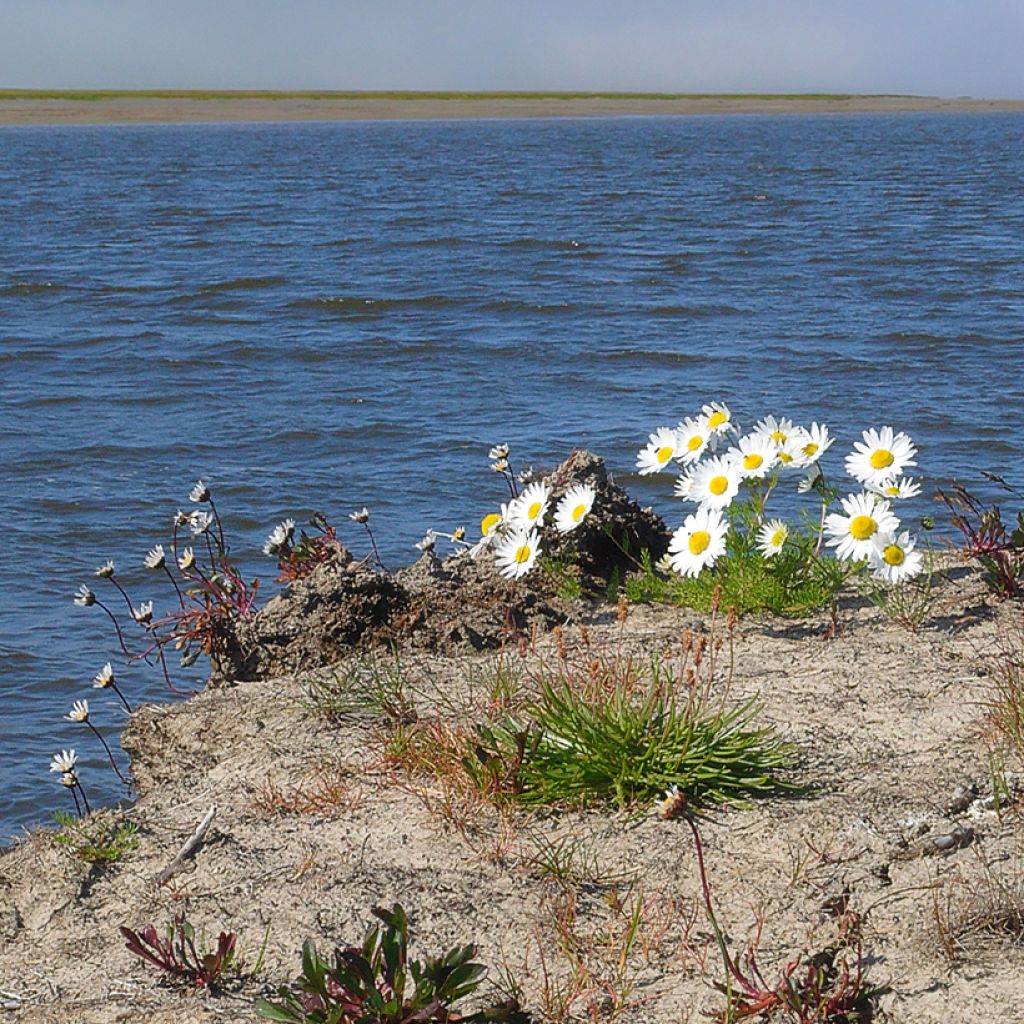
672,805
622,610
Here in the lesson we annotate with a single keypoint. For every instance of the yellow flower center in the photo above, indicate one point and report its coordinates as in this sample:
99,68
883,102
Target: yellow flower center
753,461
534,510
719,485
717,418
778,437
695,442
862,527
881,459
699,541
578,513
893,490
894,555
663,454
523,554
488,523
778,538
785,457
810,449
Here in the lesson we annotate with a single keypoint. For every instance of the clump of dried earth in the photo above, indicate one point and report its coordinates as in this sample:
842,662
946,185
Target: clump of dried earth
317,819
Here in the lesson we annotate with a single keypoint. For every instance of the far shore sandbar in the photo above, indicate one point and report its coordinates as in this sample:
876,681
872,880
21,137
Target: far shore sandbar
26,108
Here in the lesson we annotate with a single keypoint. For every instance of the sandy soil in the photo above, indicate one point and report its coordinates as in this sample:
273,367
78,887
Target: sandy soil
888,726
166,111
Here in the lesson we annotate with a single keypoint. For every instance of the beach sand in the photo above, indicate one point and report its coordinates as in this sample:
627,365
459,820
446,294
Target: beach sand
184,110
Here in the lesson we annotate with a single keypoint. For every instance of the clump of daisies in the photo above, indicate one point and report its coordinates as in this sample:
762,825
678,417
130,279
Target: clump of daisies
512,534
773,563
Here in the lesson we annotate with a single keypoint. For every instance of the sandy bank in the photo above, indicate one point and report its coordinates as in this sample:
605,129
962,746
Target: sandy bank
183,110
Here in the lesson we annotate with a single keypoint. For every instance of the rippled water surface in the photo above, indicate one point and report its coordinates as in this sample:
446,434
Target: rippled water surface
326,316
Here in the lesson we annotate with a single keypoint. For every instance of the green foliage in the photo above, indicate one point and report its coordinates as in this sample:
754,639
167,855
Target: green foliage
906,604
627,740
95,840
561,573
378,984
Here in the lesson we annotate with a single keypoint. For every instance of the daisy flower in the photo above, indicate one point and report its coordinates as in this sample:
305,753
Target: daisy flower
500,465
778,430
809,481
574,507
904,487
694,436
199,522
106,570
143,615
683,486
499,451
79,711
156,558
428,541
672,804
661,450
754,455
715,482
181,518
894,559
788,453
719,421
279,537
698,542
64,762
811,444
855,535
516,552
85,597
527,511
104,677
200,492
880,456
772,537
362,516
187,559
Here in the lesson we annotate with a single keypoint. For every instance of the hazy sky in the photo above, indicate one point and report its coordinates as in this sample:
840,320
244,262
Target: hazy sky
939,47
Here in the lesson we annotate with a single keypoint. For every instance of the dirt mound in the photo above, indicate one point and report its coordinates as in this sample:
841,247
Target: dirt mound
460,601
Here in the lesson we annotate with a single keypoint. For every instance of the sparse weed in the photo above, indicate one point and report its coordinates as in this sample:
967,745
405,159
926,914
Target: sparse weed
376,983
570,862
99,839
375,685
328,793
987,906
907,604
177,954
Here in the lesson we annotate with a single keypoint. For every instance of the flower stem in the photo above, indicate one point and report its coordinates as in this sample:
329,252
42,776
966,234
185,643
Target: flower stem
120,635
85,799
110,754
127,706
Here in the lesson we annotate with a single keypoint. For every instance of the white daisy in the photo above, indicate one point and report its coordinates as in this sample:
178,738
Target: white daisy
683,486
779,430
104,677
143,615
574,507
754,454
516,552
771,538
880,456
499,451
85,597
808,482
187,560
718,417
428,541
812,443
662,449
362,516
527,511
200,492
500,465
855,535
64,762
106,570
894,559
181,518
199,522
715,482
788,453
79,711
280,536
698,542
156,558
904,487
694,436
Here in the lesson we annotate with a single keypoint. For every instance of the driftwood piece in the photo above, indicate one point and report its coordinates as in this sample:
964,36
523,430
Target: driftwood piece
188,849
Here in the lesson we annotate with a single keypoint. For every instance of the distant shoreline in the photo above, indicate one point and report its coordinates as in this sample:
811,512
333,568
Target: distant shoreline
108,107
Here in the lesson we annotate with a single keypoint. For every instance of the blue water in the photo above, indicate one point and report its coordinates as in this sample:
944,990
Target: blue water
321,316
